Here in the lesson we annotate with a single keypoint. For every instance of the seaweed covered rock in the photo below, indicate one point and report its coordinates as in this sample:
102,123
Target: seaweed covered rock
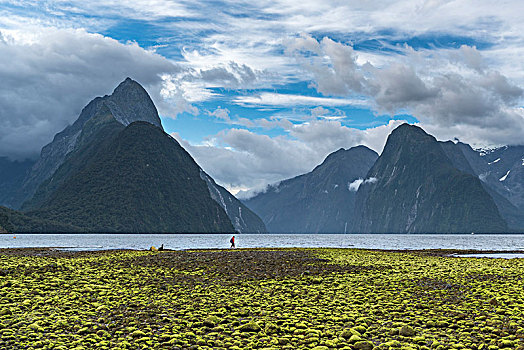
250,327
407,331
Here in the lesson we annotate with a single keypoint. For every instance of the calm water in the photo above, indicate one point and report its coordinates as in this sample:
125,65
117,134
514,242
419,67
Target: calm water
182,241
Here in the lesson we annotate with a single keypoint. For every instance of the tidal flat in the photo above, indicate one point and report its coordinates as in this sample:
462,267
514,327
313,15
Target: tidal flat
259,299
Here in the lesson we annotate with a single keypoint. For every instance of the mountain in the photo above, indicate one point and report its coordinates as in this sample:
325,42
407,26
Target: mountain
13,221
87,179
242,218
415,187
505,167
317,202
12,175
129,102
506,187
138,179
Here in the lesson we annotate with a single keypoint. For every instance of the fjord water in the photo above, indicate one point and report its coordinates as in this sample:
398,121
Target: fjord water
500,242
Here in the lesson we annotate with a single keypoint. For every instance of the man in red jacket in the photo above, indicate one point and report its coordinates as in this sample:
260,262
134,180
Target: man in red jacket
232,241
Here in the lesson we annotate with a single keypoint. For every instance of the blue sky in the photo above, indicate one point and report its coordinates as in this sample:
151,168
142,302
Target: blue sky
259,92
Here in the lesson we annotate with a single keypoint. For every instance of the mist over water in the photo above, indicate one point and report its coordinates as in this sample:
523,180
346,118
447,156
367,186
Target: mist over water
219,241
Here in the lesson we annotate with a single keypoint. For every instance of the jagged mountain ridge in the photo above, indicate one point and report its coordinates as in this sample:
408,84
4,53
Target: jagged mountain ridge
317,202
505,167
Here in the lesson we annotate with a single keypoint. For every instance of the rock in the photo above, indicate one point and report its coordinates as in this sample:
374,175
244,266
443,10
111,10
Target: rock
211,321
407,331
138,334
354,338
360,329
250,327
348,333
271,328
506,343
363,345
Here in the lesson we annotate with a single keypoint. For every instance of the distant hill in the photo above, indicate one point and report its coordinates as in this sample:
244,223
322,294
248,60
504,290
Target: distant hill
13,221
317,202
417,188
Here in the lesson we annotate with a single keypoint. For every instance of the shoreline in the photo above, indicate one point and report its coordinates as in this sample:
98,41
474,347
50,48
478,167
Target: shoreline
64,251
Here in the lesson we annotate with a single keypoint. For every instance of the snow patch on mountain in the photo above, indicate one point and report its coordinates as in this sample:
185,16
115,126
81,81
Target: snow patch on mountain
505,176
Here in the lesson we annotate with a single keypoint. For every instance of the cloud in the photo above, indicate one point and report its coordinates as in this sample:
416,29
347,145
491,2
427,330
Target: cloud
277,99
47,80
449,90
231,75
355,185
244,160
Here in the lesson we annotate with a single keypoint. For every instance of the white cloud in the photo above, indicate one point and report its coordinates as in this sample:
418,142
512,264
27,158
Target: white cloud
452,90
355,185
276,99
47,78
260,160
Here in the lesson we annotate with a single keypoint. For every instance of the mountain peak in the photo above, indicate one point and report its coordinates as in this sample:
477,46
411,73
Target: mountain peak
130,102
127,84
341,154
405,129
407,134
319,201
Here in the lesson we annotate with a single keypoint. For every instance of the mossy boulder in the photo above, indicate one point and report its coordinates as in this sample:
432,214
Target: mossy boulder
363,345
250,327
407,331
271,328
211,321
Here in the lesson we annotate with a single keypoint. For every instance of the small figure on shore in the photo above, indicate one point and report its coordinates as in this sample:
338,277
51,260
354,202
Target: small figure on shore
161,247
232,241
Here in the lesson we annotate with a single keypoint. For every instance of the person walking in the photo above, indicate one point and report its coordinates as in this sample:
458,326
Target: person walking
232,241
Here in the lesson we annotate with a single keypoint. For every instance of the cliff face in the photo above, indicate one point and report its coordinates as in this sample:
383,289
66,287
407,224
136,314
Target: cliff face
416,188
242,218
501,172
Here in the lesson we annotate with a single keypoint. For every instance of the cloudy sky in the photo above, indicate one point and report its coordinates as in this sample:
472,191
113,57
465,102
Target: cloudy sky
259,91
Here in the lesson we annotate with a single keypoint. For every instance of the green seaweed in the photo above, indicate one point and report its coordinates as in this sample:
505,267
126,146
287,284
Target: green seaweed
259,299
